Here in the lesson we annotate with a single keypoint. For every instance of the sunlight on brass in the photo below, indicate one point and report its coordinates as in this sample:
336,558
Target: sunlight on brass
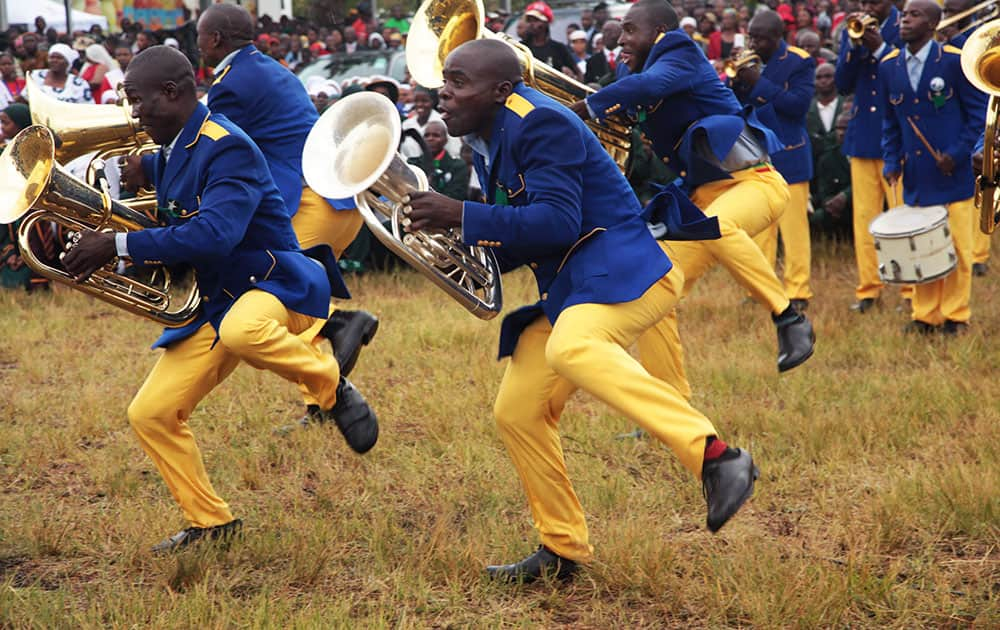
35,189
351,151
441,26
981,66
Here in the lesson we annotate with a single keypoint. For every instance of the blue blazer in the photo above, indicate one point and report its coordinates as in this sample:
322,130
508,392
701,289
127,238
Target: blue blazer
225,217
781,99
857,73
950,116
556,201
677,97
270,104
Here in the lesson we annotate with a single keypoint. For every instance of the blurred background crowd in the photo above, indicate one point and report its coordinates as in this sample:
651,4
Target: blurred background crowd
336,50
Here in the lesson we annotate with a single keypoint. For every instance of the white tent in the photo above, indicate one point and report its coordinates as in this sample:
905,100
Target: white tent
22,12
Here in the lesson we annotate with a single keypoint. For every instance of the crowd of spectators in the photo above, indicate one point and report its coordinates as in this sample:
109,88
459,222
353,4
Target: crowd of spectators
86,67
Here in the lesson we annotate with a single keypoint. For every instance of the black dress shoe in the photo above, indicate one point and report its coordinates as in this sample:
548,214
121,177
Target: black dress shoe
541,563
795,339
727,482
917,327
348,331
799,304
352,415
864,305
186,537
979,269
952,327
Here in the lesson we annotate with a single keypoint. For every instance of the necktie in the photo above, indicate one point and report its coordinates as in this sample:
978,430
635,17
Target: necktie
914,67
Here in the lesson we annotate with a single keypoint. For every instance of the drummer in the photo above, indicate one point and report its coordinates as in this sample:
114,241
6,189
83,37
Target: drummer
933,119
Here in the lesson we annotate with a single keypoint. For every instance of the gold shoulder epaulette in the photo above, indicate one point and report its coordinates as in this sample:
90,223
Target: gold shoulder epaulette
798,51
519,105
224,72
892,55
213,130
948,48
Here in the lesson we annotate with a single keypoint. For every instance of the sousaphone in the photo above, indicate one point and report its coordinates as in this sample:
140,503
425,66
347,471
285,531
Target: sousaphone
981,66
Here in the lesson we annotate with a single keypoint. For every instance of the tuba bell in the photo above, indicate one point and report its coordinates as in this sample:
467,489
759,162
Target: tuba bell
857,25
351,151
981,66
34,188
440,26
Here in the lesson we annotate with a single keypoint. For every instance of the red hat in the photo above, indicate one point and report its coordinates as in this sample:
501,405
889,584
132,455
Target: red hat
539,10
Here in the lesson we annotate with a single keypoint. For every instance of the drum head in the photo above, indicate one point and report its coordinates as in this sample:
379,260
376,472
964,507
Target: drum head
907,221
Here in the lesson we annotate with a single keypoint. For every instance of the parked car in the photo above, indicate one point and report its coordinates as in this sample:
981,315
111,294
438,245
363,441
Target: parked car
360,63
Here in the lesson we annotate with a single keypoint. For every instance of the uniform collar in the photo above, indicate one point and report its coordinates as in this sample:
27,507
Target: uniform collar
921,54
228,59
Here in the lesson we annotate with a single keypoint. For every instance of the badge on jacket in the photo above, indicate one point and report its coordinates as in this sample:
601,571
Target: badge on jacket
937,92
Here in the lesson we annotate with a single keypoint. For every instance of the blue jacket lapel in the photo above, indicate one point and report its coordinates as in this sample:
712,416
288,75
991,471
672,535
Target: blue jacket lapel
179,154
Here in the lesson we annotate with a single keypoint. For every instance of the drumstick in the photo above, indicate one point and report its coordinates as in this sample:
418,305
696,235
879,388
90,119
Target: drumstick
916,130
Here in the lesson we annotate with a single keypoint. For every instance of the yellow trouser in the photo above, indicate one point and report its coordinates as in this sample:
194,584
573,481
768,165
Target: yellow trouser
746,205
258,330
980,242
794,228
869,192
317,223
948,298
587,349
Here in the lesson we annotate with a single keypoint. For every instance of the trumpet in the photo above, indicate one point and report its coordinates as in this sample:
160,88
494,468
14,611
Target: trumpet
746,59
858,25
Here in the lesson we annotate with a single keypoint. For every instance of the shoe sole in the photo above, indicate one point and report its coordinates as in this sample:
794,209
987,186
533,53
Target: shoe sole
366,337
804,358
743,499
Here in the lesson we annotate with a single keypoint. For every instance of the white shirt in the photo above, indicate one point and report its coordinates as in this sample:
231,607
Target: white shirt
915,63
826,113
228,59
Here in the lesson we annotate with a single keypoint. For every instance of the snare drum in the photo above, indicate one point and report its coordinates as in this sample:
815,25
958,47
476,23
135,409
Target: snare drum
913,245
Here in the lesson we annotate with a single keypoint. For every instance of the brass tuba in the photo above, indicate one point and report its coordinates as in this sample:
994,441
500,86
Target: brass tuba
440,26
857,25
351,151
981,66
746,59
33,187
109,130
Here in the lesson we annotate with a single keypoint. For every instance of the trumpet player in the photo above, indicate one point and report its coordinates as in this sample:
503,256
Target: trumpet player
857,74
934,117
263,298
699,129
780,90
271,105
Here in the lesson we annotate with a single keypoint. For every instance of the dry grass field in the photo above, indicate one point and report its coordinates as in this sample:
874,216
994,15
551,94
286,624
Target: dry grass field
878,504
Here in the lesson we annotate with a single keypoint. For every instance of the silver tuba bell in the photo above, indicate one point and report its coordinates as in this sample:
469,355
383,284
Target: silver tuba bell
352,152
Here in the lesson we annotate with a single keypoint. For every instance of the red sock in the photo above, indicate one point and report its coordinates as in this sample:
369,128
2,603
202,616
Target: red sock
714,447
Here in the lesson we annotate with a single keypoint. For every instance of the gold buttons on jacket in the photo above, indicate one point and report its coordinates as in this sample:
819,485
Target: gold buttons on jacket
873,108
533,265
545,295
917,151
666,160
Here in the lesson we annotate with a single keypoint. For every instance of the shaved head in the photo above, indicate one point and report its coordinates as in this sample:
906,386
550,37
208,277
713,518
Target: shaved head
233,23
658,12
929,8
488,59
161,64
769,22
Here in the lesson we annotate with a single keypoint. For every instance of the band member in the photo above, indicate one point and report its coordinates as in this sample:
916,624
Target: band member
857,73
556,202
781,94
933,118
263,298
698,128
956,35
272,106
